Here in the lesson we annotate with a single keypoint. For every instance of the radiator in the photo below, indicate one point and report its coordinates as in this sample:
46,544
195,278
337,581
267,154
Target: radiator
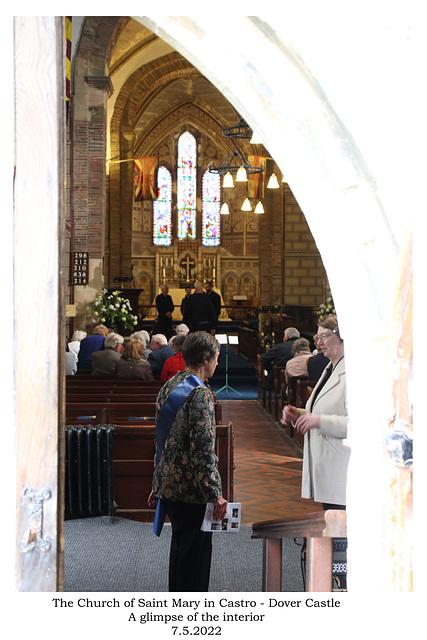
89,480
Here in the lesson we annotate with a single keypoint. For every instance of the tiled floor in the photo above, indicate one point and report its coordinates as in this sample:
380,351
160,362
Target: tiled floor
267,475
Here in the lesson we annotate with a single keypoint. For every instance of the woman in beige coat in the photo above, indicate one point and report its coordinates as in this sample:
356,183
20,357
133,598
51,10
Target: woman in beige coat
324,425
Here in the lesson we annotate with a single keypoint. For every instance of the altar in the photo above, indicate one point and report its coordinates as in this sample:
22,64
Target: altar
180,266
177,294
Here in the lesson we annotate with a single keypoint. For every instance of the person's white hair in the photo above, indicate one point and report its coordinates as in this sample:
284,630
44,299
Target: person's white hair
159,338
139,336
182,329
78,335
291,332
113,339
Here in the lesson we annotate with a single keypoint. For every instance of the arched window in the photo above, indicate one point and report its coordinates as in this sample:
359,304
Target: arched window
186,186
162,209
211,203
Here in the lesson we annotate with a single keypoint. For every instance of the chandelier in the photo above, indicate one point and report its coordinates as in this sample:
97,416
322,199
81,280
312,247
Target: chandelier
233,163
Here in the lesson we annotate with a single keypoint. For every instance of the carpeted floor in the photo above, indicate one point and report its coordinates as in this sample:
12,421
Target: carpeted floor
241,382
118,555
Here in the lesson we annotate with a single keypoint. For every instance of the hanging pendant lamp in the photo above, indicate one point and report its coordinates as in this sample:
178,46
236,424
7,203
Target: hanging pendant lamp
228,180
272,183
225,211
242,175
259,208
246,206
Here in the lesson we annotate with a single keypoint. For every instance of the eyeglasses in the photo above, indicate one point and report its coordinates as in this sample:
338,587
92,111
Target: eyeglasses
322,337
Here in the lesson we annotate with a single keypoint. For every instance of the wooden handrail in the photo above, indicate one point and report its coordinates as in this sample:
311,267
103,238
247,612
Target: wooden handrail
319,529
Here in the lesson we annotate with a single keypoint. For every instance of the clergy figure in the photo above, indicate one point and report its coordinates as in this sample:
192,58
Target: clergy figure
165,307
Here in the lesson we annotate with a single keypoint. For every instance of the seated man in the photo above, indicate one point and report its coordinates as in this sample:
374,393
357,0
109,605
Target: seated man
279,354
104,362
160,352
176,362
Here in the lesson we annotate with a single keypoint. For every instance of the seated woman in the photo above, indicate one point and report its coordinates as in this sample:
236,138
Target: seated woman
132,366
297,365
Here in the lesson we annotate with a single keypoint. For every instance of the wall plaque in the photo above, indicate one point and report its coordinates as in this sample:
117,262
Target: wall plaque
80,267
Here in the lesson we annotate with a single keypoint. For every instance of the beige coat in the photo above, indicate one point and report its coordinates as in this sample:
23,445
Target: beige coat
325,460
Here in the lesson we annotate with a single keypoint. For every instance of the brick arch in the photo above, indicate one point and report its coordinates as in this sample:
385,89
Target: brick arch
144,84
98,39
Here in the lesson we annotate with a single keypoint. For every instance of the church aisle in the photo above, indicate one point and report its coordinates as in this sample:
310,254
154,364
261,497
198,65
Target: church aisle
268,466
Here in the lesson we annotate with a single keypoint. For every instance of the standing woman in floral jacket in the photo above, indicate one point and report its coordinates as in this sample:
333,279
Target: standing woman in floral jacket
186,476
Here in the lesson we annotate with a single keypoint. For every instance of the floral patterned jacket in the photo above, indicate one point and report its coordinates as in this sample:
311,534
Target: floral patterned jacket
188,467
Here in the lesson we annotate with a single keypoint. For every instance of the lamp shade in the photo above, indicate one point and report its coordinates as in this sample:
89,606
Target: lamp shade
259,208
241,175
228,180
272,183
246,206
225,211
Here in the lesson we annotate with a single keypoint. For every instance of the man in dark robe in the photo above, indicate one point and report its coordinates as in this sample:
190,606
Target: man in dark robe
165,309
199,313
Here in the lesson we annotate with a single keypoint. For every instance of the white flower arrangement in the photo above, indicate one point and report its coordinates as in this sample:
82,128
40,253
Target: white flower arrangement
113,311
326,309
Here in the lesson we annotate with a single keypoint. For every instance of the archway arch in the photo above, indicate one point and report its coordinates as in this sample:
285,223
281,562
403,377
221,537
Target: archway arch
359,240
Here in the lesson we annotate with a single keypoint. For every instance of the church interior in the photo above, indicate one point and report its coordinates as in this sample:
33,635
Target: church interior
148,190
129,220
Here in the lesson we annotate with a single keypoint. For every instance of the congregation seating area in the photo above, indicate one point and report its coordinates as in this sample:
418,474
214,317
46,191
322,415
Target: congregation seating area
296,392
129,406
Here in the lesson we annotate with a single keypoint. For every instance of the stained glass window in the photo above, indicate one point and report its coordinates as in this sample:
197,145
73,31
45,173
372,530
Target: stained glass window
211,197
186,186
162,209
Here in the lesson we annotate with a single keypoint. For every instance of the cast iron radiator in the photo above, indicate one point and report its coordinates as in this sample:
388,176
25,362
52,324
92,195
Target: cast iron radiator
89,479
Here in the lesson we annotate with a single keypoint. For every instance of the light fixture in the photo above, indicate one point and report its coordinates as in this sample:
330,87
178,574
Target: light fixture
246,206
232,163
241,175
228,180
255,139
272,183
259,208
225,211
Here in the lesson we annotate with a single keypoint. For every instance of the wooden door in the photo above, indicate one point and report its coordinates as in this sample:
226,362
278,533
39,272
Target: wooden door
39,310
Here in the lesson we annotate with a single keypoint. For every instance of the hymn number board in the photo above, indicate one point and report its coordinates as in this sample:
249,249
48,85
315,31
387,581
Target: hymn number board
80,267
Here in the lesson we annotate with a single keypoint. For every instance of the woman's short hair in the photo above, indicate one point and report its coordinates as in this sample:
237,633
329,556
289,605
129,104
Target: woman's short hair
133,351
199,347
178,340
78,335
300,345
182,329
101,330
330,322
139,336
113,339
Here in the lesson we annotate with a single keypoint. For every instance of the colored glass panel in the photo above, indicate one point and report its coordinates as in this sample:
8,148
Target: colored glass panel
186,186
162,209
211,196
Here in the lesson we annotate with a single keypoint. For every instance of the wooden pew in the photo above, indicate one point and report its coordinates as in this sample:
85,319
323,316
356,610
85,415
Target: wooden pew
109,396
261,378
133,452
102,411
319,529
113,412
276,401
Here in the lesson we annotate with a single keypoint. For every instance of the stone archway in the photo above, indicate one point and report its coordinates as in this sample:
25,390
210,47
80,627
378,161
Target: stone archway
359,233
